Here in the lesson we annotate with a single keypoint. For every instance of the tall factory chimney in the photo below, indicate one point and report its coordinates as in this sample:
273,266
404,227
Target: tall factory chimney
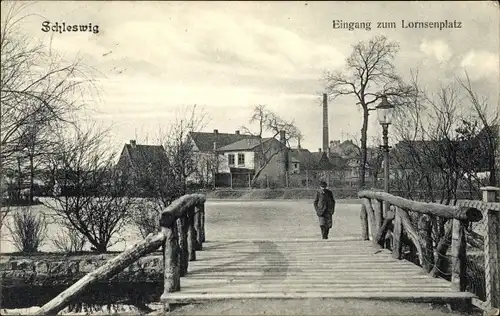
325,123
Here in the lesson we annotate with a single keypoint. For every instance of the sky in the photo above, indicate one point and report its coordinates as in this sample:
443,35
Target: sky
156,58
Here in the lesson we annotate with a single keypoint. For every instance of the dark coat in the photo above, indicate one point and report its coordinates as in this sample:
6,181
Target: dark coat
324,204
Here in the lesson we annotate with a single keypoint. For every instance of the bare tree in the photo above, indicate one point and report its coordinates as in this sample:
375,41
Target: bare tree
89,193
369,74
269,123
481,131
166,177
179,148
443,142
39,90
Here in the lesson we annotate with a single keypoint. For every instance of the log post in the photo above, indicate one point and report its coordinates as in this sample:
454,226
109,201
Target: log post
371,218
202,217
378,211
381,206
172,278
425,231
183,244
415,246
458,254
383,230
441,249
492,249
191,238
364,223
197,227
397,246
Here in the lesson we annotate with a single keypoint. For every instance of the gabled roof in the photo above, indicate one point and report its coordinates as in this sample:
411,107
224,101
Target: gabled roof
143,155
205,141
316,160
245,144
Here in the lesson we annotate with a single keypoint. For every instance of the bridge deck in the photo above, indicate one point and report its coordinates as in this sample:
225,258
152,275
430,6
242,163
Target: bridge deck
305,268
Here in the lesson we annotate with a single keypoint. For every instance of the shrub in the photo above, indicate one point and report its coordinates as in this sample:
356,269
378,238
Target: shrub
28,230
146,217
69,240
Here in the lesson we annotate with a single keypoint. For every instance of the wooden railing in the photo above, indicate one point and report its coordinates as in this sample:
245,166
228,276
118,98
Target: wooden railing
391,227
182,234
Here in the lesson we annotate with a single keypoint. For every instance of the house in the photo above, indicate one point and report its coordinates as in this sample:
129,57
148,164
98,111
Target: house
140,163
350,154
308,168
209,161
237,158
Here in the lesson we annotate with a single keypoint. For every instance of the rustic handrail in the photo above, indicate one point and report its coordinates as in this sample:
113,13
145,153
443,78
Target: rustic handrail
183,225
445,211
397,217
184,217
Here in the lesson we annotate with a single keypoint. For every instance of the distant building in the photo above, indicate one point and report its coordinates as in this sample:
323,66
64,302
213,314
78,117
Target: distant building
350,154
136,161
236,158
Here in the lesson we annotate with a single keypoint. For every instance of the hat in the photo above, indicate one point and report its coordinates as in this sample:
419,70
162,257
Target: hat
322,184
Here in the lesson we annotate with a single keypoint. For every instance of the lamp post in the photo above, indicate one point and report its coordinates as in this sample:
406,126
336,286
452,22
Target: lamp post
384,114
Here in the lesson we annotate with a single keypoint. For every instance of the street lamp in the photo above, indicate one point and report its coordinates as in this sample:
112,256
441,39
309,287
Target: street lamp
384,114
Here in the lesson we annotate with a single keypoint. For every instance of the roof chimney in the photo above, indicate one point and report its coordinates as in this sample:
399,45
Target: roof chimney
216,131
298,143
282,137
132,143
215,146
237,132
319,149
325,122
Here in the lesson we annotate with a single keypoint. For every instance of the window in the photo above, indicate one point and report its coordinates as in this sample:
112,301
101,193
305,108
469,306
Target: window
241,159
230,159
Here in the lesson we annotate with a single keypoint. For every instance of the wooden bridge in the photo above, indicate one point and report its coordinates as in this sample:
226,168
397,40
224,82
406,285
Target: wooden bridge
369,267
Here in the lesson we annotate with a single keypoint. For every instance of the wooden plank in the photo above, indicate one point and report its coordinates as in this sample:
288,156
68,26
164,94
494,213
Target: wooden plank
310,264
411,281
316,252
179,297
332,286
259,289
298,272
340,276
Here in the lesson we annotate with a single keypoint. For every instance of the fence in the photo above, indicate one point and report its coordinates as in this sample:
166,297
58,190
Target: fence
305,179
459,242
182,234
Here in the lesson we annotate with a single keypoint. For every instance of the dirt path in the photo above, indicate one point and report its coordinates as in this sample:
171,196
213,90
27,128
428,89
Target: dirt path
315,307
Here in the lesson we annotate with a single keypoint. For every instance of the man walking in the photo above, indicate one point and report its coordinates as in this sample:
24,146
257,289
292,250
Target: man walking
324,204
